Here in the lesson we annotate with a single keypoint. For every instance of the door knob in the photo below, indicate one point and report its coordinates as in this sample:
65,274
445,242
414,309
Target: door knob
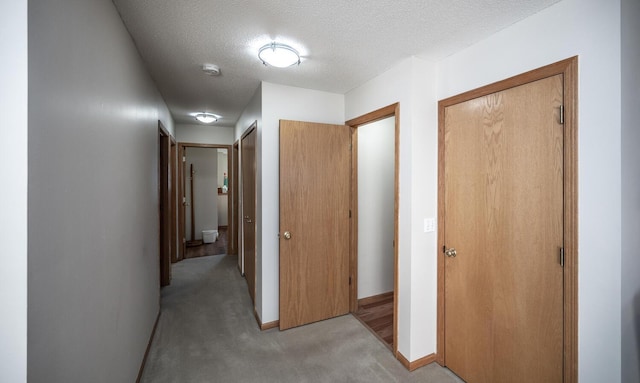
287,235
451,252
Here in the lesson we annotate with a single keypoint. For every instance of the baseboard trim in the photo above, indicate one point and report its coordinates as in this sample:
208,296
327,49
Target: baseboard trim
146,352
265,326
416,364
270,325
375,298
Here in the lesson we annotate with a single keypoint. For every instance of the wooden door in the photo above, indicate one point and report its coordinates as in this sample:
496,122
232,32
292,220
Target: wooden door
249,209
233,206
315,171
503,196
164,207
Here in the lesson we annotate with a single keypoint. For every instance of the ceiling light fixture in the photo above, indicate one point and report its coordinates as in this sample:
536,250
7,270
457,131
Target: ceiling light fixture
278,55
211,69
207,118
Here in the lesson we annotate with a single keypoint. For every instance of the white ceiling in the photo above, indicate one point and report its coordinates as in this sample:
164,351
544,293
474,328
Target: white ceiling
344,43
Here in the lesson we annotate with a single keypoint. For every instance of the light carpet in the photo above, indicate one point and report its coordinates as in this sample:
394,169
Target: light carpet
207,333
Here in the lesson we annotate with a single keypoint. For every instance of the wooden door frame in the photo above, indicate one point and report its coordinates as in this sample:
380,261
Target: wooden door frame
181,155
569,69
233,219
249,130
164,205
173,201
392,110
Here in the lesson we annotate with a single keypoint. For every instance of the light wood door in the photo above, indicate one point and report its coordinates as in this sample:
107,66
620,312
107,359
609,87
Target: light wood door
503,162
249,209
315,171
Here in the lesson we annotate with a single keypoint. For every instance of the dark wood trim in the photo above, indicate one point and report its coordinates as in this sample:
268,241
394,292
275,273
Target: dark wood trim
412,366
353,235
164,205
270,325
181,174
569,69
173,201
265,326
251,128
233,201
375,298
146,352
376,115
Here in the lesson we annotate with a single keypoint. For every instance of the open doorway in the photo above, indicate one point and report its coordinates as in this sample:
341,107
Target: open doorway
205,185
375,227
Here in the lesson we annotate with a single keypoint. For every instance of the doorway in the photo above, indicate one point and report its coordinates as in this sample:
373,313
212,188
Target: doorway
507,276
205,185
164,205
374,228
248,158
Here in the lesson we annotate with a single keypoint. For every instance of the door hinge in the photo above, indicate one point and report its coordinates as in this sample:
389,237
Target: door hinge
350,146
562,114
562,256
349,280
349,213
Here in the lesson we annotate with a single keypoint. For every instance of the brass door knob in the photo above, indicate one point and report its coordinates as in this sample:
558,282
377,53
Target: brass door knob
287,235
451,252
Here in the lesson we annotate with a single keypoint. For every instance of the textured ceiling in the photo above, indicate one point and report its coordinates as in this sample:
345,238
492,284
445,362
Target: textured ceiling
343,43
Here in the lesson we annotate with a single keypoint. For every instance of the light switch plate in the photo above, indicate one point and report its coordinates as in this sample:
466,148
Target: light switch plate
429,225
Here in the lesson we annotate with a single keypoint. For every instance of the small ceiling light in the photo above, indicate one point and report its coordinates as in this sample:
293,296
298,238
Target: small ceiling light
206,118
278,55
211,69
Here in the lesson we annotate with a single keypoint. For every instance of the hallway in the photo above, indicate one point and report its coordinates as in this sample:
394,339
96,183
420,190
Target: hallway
207,333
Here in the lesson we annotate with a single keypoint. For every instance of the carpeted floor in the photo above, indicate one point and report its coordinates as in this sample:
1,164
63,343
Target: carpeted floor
207,333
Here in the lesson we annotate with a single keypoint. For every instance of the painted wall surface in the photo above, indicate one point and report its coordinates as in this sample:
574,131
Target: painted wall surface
205,134
286,103
630,11
92,195
205,191
592,31
412,84
13,167
376,201
251,113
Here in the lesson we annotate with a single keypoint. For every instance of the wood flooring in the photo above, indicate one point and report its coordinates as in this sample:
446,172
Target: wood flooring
216,248
376,313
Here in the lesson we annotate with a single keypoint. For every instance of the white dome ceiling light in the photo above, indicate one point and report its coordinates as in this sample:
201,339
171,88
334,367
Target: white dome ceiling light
207,118
278,55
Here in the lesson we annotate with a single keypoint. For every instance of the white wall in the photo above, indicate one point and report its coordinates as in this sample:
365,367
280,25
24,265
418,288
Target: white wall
93,273
13,167
205,134
590,29
205,190
376,201
287,103
412,84
630,191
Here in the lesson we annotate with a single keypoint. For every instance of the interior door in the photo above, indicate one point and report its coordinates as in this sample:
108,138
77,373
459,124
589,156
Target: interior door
503,230
164,206
248,148
315,171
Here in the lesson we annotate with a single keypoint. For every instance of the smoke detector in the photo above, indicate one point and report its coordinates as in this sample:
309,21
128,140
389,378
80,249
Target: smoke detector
211,70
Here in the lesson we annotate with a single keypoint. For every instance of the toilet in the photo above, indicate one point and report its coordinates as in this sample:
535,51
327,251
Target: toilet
209,236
